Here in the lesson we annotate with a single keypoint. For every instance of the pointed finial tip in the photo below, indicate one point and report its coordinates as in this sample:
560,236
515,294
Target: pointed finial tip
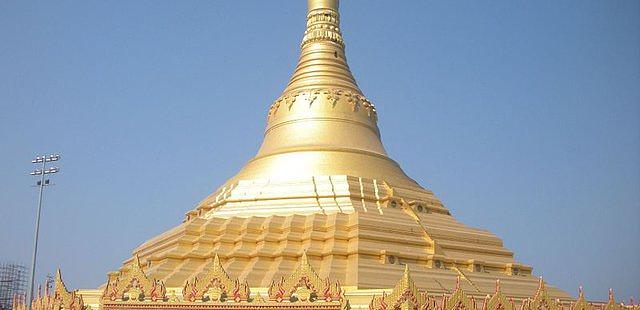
136,262
304,260
216,260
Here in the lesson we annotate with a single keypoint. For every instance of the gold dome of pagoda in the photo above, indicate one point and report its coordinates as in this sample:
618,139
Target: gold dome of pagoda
321,133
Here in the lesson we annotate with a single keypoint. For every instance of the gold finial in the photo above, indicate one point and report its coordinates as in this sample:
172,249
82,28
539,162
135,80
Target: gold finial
304,262
58,275
136,261
58,283
406,277
322,60
323,4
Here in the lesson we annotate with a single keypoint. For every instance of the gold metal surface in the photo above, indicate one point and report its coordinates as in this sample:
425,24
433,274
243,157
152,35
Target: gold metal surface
323,184
322,124
302,289
320,132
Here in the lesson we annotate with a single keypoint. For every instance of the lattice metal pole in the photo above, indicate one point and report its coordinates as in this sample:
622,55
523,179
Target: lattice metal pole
12,283
44,159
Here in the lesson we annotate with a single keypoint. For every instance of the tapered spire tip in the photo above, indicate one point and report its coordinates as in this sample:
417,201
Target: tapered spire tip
323,4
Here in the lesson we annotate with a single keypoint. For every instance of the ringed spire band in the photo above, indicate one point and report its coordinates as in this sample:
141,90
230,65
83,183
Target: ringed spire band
322,62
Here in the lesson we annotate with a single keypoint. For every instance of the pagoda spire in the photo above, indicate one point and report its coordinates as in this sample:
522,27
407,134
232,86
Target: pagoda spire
322,62
321,126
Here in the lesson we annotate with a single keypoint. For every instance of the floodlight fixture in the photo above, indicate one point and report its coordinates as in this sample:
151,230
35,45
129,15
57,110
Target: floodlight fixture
42,171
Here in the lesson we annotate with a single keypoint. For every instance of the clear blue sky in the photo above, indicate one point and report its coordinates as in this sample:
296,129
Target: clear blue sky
522,116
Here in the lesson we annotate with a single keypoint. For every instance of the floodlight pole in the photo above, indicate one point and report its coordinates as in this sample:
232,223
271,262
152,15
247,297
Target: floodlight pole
41,184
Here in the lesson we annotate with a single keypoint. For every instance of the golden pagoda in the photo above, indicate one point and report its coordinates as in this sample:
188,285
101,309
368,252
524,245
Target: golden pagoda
323,183
322,200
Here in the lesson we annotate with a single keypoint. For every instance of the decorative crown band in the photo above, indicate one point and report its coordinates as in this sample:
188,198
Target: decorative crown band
323,25
356,101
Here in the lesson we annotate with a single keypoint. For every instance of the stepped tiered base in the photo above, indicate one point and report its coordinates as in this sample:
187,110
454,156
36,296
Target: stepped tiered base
358,231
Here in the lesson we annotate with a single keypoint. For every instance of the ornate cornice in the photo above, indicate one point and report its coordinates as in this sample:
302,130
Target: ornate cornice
405,295
332,96
581,303
303,289
459,300
216,285
541,299
498,301
60,299
612,304
68,300
133,285
304,284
